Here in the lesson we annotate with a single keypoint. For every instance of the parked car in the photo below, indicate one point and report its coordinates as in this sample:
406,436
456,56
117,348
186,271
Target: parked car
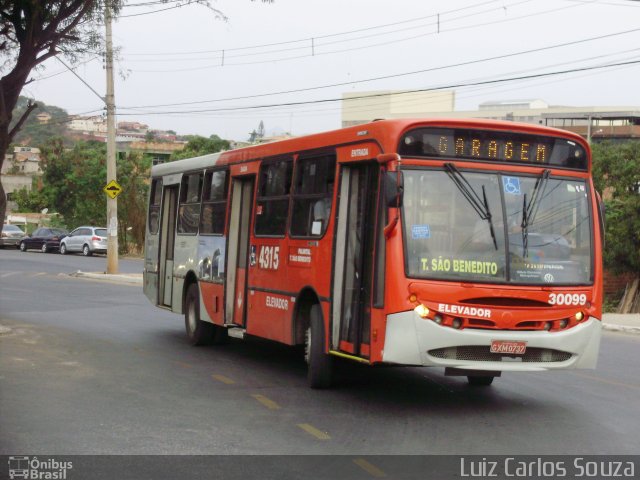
11,236
88,240
44,239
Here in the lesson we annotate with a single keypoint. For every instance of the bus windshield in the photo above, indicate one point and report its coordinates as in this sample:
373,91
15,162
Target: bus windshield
492,227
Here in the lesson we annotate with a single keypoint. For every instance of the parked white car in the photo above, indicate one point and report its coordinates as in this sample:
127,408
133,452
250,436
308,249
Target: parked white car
88,240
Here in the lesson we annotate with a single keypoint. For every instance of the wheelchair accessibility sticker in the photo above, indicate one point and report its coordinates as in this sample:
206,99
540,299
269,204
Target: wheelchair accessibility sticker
420,232
511,185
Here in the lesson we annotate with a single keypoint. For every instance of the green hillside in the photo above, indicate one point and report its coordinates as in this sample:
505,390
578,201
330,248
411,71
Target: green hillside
34,134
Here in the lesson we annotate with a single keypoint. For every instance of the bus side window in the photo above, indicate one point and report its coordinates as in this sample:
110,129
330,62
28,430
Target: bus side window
312,196
189,209
214,202
273,198
154,206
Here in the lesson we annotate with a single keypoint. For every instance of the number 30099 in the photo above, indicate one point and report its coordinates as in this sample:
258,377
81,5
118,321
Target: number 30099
567,299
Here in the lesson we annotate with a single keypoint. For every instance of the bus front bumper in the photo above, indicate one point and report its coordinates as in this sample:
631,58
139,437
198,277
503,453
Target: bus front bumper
412,340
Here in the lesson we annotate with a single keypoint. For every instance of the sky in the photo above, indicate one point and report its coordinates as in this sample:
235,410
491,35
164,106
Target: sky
287,63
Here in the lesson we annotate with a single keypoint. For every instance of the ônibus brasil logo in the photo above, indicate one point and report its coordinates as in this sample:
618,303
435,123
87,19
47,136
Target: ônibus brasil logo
35,469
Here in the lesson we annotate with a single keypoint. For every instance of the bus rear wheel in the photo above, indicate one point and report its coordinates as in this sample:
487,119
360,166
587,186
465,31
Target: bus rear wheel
319,362
199,332
478,381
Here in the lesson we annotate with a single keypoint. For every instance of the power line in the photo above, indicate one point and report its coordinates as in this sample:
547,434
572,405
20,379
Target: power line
150,4
330,35
307,41
397,75
60,72
223,60
81,79
382,101
179,5
312,46
457,85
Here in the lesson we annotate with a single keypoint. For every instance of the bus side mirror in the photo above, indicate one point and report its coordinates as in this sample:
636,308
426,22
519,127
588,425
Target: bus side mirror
393,189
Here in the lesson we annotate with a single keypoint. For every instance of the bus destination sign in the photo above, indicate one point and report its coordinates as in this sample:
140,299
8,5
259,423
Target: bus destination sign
489,145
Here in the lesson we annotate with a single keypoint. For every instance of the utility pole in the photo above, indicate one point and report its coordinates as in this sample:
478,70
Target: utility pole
112,203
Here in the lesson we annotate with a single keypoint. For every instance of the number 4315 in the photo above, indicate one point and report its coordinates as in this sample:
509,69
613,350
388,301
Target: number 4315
269,258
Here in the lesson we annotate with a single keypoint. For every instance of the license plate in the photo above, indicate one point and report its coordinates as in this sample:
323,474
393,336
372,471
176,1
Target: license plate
508,347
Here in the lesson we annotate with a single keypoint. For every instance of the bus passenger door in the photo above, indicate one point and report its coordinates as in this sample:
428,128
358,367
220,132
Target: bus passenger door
238,259
167,243
354,247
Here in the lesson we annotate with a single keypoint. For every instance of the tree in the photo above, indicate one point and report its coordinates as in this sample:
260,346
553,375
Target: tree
30,201
616,173
133,171
72,183
73,180
32,31
197,146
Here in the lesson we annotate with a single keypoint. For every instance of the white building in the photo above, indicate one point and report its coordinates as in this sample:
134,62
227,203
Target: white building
18,171
363,107
95,124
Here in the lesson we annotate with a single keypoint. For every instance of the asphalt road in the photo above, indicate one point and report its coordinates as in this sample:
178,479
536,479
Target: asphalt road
90,367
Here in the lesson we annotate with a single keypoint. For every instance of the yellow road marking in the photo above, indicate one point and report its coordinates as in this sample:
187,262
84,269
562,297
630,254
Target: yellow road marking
223,379
369,468
604,380
184,365
270,404
311,430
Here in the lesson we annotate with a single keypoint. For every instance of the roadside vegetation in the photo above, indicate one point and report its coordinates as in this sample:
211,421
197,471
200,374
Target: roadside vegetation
616,173
73,178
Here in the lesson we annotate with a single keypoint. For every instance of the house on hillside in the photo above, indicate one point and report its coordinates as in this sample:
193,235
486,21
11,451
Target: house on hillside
94,125
43,118
19,170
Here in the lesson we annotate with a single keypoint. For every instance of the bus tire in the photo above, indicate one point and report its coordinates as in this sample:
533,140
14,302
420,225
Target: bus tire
198,332
219,335
319,362
480,381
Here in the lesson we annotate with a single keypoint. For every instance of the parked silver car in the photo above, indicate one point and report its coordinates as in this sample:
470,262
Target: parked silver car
88,240
11,236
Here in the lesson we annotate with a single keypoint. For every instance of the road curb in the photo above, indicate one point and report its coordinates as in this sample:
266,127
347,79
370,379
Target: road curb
132,279
620,328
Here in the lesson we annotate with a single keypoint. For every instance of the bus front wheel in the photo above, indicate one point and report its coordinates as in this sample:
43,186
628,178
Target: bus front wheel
199,332
479,381
319,362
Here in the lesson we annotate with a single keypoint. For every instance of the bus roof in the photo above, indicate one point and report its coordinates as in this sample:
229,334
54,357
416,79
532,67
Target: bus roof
384,132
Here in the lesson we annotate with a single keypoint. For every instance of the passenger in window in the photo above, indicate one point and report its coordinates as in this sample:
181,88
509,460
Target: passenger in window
322,209
320,216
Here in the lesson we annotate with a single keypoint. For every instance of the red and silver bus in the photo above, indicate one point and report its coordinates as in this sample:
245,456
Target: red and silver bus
465,244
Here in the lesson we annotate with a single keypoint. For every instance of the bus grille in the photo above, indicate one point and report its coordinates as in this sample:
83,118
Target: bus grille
480,353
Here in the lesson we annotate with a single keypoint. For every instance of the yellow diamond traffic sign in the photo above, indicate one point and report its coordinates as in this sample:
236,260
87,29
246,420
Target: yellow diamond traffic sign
112,189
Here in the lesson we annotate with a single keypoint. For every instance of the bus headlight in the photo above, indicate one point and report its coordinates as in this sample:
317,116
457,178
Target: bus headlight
579,316
422,311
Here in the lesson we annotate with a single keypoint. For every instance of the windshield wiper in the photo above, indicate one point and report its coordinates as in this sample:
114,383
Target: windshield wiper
530,208
480,205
